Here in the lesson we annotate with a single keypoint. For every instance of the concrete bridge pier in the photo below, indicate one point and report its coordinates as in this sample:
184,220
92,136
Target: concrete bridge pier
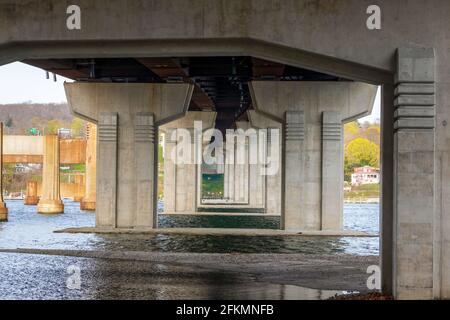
418,270
182,181
88,201
312,114
50,201
128,116
272,180
332,177
3,208
31,198
250,175
239,176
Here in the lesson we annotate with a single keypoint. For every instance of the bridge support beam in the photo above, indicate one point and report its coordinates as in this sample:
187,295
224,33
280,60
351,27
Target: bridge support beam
31,198
50,201
300,107
3,208
128,116
182,181
88,201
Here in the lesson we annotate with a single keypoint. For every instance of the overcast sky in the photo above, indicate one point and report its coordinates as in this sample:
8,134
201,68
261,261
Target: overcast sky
22,83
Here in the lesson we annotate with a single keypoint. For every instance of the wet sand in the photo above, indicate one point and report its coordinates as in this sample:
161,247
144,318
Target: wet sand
42,274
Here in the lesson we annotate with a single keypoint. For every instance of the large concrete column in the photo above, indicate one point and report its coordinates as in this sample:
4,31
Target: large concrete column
3,208
294,171
50,201
300,107
414,170
272,180
181,185
88,201
128,116
31,198
106,202
332,171
147,171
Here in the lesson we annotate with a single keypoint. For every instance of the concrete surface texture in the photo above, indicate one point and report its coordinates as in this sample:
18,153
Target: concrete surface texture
414,153
326,36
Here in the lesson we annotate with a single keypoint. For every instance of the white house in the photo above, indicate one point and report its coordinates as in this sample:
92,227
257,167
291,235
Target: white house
365,175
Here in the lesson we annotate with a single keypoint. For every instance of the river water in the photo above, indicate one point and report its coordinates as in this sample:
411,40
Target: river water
27,229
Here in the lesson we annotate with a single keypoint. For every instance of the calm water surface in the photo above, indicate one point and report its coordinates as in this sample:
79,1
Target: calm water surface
27,229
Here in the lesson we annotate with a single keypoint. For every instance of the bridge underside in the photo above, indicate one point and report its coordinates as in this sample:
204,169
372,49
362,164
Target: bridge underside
128,110
132,99
220,83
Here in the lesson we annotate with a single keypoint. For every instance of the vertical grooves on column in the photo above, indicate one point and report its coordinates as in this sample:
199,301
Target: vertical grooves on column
293,171
145,166
107,131
332,173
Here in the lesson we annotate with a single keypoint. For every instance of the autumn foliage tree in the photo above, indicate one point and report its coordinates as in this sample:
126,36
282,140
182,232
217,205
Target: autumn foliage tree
362,147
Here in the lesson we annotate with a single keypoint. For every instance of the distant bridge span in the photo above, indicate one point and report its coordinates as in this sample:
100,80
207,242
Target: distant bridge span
30,149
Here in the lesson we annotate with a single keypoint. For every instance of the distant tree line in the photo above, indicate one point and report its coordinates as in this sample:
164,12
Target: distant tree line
20,118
